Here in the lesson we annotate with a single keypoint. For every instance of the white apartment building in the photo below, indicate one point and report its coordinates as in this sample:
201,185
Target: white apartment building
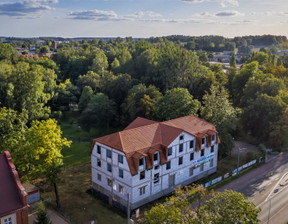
150,159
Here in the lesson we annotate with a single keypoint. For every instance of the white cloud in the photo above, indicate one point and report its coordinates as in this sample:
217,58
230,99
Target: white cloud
26,8
223,3
111,15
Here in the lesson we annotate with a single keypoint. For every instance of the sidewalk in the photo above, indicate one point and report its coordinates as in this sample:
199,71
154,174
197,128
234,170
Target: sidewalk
55,218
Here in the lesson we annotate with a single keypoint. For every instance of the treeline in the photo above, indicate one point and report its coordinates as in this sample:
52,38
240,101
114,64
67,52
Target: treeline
115,81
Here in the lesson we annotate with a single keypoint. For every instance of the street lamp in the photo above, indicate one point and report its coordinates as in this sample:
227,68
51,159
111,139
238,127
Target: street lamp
238,159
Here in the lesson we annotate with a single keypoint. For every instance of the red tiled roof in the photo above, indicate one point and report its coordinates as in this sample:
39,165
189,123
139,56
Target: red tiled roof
138,122
12,193
143,136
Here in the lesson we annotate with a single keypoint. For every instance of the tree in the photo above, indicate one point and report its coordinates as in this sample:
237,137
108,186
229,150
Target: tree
241,78
42,217
32,93
176,103
219,111
232,60
140,102
91,79
8,53
85,98
12,129
222,207
39,154
44,50
230,207
279,132
98,113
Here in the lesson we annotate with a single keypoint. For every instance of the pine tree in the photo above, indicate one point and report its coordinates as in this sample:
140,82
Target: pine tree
42,217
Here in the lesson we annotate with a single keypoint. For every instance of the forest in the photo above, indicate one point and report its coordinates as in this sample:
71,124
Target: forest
113,82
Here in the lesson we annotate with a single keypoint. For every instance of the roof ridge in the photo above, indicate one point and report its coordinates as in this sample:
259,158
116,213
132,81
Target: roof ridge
119,133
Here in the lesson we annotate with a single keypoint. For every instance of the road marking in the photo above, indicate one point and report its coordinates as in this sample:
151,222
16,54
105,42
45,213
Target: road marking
276,186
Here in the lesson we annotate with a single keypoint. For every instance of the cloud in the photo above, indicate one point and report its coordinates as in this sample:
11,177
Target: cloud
229,13
26,8
93,15
102,15
223,3
219,14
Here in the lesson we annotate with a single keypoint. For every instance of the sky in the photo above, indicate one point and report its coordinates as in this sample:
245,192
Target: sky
142,18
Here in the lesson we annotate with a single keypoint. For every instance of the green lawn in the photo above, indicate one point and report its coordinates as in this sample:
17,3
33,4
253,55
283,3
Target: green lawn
77,154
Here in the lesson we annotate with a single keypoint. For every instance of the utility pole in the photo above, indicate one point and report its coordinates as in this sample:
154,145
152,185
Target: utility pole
128,209
269,210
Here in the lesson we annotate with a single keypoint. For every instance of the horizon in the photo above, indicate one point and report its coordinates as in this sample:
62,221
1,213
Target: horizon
138,19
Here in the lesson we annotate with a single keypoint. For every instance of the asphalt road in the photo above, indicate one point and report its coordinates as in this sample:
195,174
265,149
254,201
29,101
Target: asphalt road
278,209
259,183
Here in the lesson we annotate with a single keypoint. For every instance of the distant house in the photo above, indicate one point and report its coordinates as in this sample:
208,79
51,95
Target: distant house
13,201
149,159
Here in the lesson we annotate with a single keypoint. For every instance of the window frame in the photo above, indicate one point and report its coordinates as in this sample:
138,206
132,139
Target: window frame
168,165
99,149
142,190
170,151
142,175
180,161
109,153
156,178
181,147
99,163
212,149
109,165
202,152
191,156
191,143
121,173
120,158
99,177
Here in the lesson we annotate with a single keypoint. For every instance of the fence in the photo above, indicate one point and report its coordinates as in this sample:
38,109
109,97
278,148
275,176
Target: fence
233,173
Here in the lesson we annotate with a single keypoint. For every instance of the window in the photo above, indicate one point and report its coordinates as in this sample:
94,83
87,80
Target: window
121,173
181,147
213,137
98,149
156,178
181,137
211,162
212,148
201,167
109,155
8,221
99,177
109,182
191,156
156,167
120,159
191,144
156,156
121,189
109,168
142,175
99,162
191,171
180,161
203,141
141,161
202,152
168,165
169,151
142,190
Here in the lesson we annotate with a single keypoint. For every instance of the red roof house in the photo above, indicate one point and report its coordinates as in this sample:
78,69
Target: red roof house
13,202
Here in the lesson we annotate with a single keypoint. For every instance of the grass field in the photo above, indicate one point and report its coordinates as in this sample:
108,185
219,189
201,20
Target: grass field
77,154
77,205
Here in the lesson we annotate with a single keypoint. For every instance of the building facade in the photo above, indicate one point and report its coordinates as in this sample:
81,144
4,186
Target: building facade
13,198
150,159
